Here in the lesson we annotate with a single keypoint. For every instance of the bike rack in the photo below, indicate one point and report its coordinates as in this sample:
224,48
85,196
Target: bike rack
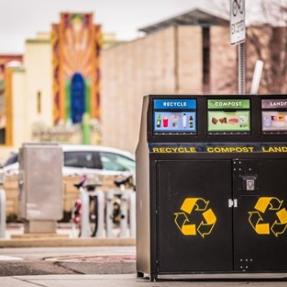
124,230
2,208
105,214
109,213
85,221
101,232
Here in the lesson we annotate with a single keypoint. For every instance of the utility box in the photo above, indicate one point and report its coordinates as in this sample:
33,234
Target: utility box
212,187
41,187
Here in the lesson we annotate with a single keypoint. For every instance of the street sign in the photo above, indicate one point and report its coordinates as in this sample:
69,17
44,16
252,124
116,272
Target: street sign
237,22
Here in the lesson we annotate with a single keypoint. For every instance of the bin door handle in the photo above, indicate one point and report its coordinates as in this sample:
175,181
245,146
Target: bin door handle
235,201
232,203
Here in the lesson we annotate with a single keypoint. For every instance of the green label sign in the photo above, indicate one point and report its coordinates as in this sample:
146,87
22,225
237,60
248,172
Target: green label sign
228,104
220,121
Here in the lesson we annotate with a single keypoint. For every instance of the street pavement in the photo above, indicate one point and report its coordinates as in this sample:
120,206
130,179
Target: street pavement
88,266
101,266
120,281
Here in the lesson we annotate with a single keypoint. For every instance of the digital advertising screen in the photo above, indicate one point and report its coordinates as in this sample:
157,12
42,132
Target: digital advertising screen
228,121
175,122
274,121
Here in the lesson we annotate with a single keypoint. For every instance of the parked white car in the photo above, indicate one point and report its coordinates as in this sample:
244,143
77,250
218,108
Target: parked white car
87,159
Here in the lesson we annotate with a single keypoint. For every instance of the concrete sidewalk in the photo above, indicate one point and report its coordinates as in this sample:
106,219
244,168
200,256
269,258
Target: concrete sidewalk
67,260
120,281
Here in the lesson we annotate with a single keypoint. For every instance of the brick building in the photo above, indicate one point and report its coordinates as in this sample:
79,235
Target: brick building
189,53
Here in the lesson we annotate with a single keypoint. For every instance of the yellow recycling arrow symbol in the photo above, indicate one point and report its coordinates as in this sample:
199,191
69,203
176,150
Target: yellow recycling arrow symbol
182,220
182,223
205,228
264,202
279,227
256,219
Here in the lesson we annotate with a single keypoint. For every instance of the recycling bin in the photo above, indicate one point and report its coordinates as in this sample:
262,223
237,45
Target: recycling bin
212,187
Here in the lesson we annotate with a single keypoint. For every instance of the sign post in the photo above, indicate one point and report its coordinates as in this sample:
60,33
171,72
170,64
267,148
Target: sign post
237,37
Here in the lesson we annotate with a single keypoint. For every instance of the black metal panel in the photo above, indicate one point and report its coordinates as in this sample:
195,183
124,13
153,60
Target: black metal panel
210,249
260,239
178,238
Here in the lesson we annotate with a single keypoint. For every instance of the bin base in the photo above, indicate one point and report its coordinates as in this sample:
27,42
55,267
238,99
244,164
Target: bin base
231,276
40,226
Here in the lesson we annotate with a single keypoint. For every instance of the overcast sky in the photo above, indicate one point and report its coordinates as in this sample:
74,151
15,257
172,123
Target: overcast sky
20,19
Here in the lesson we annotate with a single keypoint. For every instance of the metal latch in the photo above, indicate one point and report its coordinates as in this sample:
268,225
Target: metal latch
249,183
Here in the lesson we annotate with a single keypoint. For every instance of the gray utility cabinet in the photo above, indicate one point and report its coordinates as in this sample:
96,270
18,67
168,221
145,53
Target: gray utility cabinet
41,186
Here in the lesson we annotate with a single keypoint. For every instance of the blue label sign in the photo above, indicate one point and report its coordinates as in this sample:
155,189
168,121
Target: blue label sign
171,104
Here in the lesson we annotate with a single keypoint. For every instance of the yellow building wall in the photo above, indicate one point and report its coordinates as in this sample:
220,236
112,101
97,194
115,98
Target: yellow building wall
38,78
29,92
15,113
18,99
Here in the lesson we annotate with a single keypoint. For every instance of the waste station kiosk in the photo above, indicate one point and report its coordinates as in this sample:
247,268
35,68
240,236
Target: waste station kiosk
212,187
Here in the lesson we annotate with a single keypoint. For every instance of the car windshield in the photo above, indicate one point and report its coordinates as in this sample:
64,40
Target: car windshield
116,162
82,159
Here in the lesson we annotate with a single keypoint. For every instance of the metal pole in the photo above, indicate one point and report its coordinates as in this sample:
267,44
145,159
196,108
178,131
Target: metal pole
133,214
257,77
241,48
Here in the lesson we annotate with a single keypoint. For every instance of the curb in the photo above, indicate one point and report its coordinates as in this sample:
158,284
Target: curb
66,242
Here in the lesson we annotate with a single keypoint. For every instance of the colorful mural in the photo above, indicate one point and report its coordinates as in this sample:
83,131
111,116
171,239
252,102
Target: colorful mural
76,53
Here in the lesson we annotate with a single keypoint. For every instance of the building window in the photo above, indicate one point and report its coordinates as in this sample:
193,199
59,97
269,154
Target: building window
39,102
206,59
2,136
